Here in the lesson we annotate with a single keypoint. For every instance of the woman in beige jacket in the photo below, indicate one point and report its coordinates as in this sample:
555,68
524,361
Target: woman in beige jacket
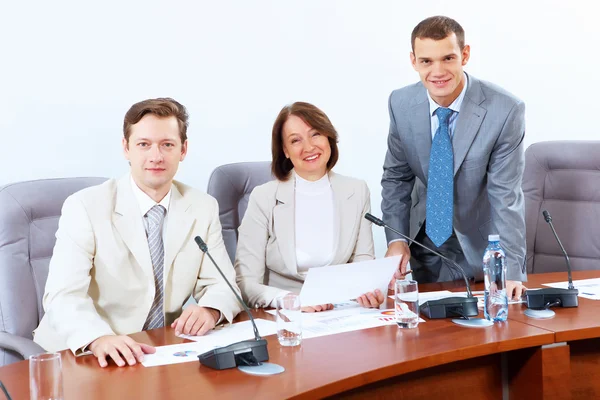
308,217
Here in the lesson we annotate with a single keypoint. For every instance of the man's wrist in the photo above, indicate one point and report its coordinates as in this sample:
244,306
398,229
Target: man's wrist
216,314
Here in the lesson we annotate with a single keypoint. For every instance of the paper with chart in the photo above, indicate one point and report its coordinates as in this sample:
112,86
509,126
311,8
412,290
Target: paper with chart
223,336
588,288
345,317
340,283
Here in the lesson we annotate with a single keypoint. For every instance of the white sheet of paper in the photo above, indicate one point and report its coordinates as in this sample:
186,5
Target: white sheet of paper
223,336
236,332
339,283
588,288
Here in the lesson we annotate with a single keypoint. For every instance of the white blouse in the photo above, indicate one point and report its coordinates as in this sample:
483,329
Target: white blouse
316,236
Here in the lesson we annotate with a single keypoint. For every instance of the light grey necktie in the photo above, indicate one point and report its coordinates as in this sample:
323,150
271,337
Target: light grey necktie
154,223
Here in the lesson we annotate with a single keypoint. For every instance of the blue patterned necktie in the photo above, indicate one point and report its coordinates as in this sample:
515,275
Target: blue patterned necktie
154,222
440,186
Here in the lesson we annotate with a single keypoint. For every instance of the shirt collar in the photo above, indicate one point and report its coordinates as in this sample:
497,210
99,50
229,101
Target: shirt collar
145,202
455,106
309,187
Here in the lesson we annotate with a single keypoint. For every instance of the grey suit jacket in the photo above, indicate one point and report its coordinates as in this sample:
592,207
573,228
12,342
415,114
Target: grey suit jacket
265,260
488,168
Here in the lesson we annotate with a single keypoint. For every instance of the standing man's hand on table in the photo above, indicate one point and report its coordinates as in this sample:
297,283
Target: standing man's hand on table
514,290
399,248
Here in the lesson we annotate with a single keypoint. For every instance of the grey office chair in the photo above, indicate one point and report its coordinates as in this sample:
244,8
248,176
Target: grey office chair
231,185
562,177
29,213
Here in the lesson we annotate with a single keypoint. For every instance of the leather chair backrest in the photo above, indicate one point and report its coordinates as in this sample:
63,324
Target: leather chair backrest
29,213
562,177
231,185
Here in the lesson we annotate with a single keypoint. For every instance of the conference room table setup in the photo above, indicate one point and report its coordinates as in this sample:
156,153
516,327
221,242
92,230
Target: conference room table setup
522,358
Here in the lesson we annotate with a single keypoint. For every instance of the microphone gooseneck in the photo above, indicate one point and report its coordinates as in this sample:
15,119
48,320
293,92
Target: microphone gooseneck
5,391
453,263
204,249
548,219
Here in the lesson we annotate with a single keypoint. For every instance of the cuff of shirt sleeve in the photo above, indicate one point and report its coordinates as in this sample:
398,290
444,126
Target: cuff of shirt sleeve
84,351
220,319
273,302
397,240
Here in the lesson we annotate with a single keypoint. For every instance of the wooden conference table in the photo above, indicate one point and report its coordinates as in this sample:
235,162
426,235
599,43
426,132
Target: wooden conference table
530,359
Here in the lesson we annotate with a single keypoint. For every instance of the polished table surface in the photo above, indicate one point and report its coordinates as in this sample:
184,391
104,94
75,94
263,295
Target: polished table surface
569,324
328,365
573,362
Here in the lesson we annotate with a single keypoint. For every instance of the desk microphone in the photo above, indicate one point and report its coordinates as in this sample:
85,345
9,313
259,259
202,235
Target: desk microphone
247,352
442,308
548,297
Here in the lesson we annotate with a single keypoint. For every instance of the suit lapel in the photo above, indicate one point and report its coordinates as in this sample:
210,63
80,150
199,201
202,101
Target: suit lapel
345,210
179,224
469,120
420,125
283,223
128,223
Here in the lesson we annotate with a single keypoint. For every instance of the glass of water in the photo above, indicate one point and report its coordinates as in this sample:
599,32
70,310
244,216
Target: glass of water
289,320
406,301
45,377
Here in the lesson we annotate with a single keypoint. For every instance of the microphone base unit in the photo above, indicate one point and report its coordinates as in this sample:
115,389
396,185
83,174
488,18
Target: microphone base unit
450,307
539,299
247,352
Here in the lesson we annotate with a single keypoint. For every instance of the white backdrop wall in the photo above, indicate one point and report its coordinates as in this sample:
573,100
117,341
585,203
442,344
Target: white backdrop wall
69,70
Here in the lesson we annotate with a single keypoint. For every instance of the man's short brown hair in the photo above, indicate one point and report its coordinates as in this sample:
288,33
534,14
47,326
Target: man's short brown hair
313,117
438,28
163,107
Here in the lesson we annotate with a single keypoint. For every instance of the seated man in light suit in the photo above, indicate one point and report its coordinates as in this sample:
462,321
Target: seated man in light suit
125,259
308,218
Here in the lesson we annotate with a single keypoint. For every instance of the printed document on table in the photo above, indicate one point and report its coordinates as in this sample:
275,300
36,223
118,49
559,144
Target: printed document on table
222,336
345,317
340,283
588,288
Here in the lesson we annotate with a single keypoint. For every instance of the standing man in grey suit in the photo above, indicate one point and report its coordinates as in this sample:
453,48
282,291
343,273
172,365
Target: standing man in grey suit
458,142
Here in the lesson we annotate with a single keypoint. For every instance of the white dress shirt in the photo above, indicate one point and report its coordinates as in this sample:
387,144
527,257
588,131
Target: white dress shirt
454,106
146,203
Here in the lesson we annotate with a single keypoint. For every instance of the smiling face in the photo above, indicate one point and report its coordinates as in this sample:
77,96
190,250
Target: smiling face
440,66
307,149
154,150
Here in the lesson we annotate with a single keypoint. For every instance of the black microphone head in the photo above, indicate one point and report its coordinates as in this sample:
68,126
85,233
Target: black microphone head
201,244
547,216
374,219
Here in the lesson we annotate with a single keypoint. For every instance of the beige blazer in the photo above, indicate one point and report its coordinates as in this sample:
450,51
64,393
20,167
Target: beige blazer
101,280
265,260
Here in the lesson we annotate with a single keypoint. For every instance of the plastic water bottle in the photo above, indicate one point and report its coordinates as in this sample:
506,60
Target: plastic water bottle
494,271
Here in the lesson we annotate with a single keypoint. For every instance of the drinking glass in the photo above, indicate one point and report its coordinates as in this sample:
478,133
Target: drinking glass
406,301
45,377
289,320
